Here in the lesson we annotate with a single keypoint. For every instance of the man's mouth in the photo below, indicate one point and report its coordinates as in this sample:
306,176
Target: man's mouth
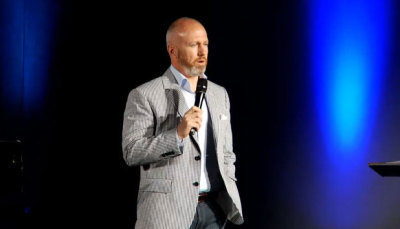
201,61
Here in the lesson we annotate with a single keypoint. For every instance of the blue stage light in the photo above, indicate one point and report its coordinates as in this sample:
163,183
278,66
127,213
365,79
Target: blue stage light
40,25
27,46
11,52
348,44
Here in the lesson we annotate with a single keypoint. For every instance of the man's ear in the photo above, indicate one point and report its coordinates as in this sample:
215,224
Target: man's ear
171,50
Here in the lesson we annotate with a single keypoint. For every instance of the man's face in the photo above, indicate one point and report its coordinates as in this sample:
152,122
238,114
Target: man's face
193,51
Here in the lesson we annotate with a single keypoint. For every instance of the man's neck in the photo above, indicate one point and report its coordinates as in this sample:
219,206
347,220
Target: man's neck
192,81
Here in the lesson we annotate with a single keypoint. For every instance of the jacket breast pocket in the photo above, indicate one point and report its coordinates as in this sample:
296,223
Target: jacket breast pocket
230,172
232,176
156,185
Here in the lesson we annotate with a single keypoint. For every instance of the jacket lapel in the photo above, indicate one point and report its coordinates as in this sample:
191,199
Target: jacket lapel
174,94
176,99
213,112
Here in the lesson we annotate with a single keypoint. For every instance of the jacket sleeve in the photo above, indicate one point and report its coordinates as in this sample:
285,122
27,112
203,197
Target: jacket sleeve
139,144
229,155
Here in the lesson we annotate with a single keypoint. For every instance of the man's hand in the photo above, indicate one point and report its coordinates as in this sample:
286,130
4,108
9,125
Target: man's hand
191,119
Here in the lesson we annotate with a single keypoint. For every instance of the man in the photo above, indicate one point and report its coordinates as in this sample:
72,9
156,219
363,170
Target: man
187,180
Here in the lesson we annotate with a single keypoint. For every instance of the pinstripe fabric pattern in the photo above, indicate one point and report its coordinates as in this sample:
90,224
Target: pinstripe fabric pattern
167,197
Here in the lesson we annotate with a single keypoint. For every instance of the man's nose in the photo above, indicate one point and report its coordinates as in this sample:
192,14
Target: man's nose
202,50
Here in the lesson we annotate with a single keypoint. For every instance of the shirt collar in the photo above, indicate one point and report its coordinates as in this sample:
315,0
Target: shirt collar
181,79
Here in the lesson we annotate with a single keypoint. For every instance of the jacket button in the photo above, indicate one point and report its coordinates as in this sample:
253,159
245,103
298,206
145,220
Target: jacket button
196,183
197,158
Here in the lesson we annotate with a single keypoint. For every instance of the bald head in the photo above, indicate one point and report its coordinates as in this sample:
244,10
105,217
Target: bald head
187,46
181,27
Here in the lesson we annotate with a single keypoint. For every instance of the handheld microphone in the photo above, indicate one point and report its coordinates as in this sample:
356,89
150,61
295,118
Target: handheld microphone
201,89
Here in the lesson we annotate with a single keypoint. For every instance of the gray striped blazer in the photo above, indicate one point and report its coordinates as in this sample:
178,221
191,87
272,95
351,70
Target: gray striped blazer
167,196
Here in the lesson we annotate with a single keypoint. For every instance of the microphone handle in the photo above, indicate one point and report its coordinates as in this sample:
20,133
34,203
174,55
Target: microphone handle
198,103
199,99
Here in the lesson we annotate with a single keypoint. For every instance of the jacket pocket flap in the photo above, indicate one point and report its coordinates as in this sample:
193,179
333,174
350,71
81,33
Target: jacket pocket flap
232,177
155,185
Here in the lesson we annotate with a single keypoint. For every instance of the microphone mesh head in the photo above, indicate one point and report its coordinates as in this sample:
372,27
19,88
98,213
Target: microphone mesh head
201,85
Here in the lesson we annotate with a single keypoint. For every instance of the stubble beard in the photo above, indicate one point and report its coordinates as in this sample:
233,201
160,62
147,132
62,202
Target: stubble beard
194,71
191,69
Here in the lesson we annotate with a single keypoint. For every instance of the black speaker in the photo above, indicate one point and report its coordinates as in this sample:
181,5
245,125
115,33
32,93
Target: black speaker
11,167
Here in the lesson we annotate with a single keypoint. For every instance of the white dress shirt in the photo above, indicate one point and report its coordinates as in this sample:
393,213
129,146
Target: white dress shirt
190,97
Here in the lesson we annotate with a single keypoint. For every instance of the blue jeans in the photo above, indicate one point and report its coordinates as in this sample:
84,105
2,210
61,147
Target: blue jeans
208,216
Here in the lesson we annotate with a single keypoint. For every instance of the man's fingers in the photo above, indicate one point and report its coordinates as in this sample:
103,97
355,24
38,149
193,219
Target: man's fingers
194,114
195,109
191,119
195,125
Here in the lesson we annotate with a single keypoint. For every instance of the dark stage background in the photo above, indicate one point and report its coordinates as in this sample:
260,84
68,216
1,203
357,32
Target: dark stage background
67,68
